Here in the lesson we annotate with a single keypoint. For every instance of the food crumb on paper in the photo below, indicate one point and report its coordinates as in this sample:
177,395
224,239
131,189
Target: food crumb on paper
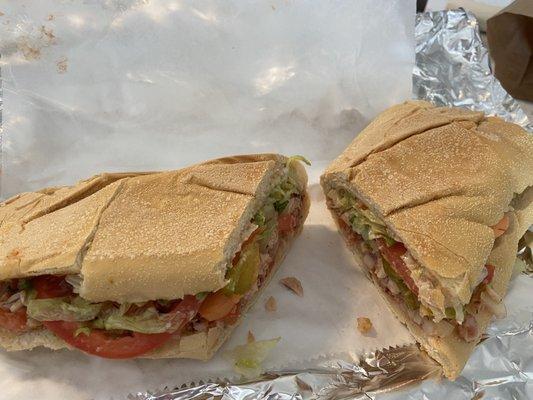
48,33
62,65
271,305
364,325
293,284
50,17
28,51
250,338
1,14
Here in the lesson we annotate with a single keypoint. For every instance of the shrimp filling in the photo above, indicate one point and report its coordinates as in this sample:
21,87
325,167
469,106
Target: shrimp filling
402,278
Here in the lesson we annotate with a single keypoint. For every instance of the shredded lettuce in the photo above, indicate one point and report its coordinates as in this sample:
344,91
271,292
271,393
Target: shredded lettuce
83,330
249,357
362,220
24,284
149,321
291,159
277,202
410,299
62,309
202,295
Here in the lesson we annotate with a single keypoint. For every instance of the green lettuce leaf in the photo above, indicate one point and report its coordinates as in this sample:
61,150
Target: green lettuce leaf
249,357
62,309
149,321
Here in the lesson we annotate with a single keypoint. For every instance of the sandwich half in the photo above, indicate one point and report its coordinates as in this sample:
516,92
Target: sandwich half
432,202
153,265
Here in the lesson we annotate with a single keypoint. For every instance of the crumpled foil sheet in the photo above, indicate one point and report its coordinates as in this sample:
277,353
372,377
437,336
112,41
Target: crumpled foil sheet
452,69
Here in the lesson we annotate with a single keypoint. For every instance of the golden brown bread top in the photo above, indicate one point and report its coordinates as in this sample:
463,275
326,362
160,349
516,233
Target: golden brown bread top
439,177
138,236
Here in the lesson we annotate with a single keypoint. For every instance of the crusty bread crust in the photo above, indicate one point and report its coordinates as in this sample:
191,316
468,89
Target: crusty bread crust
439,178
200,346
139,236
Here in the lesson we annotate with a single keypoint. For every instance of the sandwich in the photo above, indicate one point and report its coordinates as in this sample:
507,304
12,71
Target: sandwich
432,202
153,265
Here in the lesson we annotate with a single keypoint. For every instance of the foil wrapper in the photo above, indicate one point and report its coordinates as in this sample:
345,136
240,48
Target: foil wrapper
452,69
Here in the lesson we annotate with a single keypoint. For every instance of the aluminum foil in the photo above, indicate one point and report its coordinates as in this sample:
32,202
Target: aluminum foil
452,69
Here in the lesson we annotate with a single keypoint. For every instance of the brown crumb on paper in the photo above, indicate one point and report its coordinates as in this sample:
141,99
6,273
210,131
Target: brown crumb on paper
364,325
50,17
250,338
48,34
1,14
29,52
293,284
62,65
271,305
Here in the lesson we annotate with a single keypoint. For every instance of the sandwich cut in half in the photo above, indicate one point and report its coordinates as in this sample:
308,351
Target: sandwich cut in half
154,265
432,202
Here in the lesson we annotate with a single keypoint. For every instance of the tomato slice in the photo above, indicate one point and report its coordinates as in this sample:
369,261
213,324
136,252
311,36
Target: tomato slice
286,223
353,237
13,321
393,255
50,286
101,343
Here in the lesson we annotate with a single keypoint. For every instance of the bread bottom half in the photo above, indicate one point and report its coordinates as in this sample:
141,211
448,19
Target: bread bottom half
200,346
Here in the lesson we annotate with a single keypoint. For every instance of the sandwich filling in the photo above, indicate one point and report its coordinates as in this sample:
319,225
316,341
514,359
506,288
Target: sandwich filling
124,330
404,280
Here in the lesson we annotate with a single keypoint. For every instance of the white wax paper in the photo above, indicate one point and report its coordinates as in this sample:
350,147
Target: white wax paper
140,85
114,85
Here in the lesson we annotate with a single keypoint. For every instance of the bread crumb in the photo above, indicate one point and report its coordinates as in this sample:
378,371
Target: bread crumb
250,338
271,305
293,284
364,325
62,65
50,17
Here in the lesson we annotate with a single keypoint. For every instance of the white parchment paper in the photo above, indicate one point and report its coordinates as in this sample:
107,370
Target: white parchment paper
140,85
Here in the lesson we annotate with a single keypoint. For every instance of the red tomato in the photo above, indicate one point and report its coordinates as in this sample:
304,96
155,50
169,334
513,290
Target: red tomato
100,343
353,237
393,255
13,321
490,274
286,223
49,286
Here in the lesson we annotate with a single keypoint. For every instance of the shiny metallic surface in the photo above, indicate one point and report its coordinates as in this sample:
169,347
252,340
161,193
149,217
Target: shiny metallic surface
452,69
